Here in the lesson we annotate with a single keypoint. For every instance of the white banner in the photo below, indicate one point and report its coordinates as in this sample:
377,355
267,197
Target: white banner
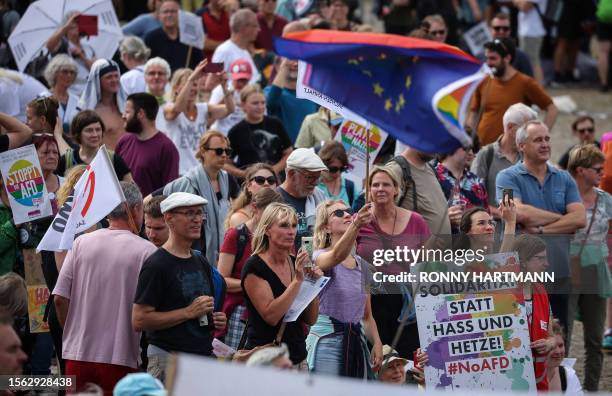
303,91
191,31
95,195
476,37
25,184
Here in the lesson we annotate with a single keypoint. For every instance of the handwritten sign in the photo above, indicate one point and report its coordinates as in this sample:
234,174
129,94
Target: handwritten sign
191,32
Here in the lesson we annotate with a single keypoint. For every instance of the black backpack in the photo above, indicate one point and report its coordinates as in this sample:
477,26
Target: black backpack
243,237
407,176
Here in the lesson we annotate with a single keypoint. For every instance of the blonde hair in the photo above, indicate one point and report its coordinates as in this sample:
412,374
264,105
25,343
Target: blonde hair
248,91
527,246
274,213
584,156
321,238
389,172
13,294
72,177
205,139
245,197
179,77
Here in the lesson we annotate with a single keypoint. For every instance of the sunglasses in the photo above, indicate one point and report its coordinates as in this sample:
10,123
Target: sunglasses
219,151
598,169
336,169
586,130
340,212
501,28
437,32
261,180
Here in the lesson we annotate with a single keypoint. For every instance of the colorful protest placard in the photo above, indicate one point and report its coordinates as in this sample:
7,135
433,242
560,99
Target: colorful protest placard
25,184
354,137
38,294
477,338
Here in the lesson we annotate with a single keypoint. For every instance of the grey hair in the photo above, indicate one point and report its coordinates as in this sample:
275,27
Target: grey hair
133,197
133,47
13,294
521,134
518,114
239,18
61,61
157,61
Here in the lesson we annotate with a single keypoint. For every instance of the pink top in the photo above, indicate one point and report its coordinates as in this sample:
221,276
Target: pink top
100,284
372,238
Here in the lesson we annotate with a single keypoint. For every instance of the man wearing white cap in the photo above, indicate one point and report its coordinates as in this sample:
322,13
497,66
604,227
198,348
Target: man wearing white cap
179,292
300,190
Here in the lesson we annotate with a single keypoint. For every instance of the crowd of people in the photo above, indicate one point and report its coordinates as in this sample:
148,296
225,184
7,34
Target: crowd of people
226,172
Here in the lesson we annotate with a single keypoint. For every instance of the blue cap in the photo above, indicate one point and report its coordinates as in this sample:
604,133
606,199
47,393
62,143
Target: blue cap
139,384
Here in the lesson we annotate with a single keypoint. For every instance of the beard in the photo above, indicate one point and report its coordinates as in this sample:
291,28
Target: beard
425,157
133,125
500,70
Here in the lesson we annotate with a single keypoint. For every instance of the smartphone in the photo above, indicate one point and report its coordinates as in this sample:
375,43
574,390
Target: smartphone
88,25
507,192
307,246
214,67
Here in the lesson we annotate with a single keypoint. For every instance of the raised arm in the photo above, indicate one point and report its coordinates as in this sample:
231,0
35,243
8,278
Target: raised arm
18,133
172,110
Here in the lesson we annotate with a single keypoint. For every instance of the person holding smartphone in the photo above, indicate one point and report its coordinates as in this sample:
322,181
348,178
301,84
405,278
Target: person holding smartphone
336,343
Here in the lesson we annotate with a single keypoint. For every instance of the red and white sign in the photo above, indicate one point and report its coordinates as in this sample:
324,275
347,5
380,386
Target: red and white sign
94,196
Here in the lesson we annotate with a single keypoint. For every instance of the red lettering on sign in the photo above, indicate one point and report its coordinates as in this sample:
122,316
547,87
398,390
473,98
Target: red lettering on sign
91,183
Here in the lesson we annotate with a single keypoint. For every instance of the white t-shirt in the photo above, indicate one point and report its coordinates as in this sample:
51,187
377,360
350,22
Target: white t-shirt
185,134
225,124
16,96
133,81
530,23
573,382
228,52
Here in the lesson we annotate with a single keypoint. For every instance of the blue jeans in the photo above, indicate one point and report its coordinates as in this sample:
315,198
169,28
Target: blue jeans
328,356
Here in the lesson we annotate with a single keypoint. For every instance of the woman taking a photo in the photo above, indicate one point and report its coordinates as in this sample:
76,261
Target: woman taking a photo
257,177
392,226
336,345
235,251
271,280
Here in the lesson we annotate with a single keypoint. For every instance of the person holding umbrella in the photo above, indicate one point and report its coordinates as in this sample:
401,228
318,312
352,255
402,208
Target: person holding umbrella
67,39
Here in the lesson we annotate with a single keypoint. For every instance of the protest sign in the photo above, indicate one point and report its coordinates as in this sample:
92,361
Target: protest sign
25,184
304,91
476,37
476,334
37,291
95,195
354,137
191,32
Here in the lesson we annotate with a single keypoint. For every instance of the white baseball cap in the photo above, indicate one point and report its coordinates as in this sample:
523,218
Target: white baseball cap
181,199
304,158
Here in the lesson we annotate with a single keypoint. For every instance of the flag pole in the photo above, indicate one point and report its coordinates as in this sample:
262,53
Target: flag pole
367,181
189,51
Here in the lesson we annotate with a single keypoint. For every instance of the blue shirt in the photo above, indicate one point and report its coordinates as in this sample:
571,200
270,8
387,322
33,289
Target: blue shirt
282,103
557,191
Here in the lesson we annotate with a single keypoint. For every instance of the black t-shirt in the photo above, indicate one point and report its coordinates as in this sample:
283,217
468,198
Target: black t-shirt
4,143
299,204
172,51
121,168
263,142
259,331
167,282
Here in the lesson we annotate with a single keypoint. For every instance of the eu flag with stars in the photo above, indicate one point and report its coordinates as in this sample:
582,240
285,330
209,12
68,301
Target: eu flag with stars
416,90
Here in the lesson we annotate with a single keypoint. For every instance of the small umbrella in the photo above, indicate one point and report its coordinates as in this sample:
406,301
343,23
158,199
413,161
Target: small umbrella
44,17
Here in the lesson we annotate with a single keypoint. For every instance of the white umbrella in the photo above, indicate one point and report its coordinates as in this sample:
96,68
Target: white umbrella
44,17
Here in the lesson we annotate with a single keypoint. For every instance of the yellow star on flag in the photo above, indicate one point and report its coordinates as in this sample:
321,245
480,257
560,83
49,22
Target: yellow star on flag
388,104
408,82
353,62
367,73
378,90
400,103
382,56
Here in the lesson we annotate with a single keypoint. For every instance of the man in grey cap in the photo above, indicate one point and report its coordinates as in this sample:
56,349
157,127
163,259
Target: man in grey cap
300,190
179,294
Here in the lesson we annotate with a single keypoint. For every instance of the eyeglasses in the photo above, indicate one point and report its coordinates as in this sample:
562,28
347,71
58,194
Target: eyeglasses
156,73
597,169
261,180
309,178
501,28
219,151
191,214
437,32
340,212
336,169
585,130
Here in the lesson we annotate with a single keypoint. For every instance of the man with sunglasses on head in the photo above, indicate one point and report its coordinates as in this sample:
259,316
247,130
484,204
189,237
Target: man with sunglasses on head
584,129
151,156
501,27
300,189
503,88
179,295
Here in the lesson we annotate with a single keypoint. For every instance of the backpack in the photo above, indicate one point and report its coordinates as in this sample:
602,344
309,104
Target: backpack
218,284
551,14
243,237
